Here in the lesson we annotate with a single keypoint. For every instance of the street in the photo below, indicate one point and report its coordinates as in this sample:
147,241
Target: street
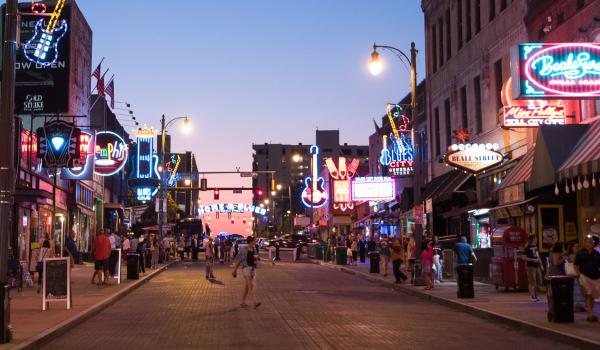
304,306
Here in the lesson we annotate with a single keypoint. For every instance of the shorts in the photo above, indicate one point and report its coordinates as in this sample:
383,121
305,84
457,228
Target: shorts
532,275
249,271
101,264
590,286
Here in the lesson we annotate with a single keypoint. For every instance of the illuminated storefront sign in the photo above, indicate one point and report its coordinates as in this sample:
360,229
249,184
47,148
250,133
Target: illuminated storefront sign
397,156
543,70
314,194
58,144
232,208
473,158
524,117
83,168
111,153
341,175
379,188
172,167
42,48
146,175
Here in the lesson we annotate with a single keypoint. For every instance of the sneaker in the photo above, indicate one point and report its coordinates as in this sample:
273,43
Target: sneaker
534,299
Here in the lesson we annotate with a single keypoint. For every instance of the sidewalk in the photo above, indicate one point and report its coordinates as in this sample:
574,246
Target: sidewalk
30,323
512,308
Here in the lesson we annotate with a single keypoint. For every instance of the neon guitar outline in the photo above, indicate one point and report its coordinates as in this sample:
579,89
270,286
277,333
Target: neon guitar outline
42,48
314,194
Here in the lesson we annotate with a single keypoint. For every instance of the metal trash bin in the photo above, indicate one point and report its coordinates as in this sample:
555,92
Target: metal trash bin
133,265
560,299
311,250
464,279
374,262
341,255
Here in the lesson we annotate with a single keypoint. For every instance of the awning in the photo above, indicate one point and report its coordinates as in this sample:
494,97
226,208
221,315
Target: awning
585,157
444,185
459,211
113,206
521,172
511,209
30,195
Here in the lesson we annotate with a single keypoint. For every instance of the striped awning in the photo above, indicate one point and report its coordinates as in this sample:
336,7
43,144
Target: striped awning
521,172
585,158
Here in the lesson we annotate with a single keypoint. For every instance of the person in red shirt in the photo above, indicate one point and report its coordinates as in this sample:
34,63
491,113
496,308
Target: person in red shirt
101,249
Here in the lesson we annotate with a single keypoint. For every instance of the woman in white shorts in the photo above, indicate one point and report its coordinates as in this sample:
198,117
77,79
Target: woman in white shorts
246,259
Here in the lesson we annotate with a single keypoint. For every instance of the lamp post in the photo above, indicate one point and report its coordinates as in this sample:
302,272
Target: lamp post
162,190
375,66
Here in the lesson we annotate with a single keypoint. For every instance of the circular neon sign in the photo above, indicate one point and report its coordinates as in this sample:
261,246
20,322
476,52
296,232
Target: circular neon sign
111,153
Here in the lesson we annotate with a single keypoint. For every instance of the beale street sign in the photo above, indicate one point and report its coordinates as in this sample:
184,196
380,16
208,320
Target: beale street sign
474,158
525,117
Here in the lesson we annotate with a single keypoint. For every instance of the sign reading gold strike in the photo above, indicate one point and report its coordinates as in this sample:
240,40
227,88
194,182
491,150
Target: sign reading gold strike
474,158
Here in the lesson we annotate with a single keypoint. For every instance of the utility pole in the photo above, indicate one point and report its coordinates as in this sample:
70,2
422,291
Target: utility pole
7,159
161,192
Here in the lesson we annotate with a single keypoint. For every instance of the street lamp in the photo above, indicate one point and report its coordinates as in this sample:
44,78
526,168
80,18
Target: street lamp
162,193
376,67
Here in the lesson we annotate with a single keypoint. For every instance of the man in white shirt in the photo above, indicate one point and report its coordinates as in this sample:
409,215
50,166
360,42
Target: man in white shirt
208,252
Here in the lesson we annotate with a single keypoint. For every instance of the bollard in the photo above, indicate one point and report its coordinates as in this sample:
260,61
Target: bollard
277,258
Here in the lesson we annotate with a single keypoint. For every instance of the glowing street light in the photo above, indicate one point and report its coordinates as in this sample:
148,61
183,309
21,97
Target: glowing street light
375,65
187,182
279,187
186,126
296,158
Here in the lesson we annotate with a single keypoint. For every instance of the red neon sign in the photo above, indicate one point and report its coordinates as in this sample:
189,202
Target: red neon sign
517,116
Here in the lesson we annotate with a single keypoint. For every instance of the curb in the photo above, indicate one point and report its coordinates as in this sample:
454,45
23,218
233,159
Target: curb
37,341
517,324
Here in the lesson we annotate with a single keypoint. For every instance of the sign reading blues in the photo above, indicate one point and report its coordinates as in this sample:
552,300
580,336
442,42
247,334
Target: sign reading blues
397,156
550,71
147,177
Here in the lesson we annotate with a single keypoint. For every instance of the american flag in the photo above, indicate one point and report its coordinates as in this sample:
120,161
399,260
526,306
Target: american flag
110,91
100,87
97,73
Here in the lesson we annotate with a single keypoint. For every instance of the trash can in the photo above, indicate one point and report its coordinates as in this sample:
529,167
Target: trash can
374,262
311,250
464,278
132,266
341,255
319,252
560,299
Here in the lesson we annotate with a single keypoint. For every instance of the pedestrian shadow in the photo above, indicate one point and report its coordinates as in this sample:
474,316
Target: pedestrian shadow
216,281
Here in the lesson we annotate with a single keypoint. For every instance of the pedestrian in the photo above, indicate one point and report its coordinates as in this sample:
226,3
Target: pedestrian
154,251
166,247
71,249
195,246
247,260
587,266
532,258
209,255
464,252
427,264
43,254
126,246
101,249
354,250
362,249
141,250
188,247
228,246
578,296
222,248
384,251
437,260
397,256
556,263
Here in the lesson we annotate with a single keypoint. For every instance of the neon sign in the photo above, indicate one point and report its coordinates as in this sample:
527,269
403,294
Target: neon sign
232,208
314,194
83,168
377,188
172,167
398,157
474,158
42,48
546,71
524,117
341,176
146,165
111,153
58,144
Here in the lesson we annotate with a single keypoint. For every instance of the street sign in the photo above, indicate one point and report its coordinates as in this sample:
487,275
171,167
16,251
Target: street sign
237,191
248,174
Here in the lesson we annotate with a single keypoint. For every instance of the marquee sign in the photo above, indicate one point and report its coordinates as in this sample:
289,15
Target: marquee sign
379,188
147,177
474,158
546,71
341,175
232,208
83,168
58,144
398,156
528,117
111,153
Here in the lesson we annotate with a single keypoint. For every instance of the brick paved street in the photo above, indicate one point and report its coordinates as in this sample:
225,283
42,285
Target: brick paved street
304,306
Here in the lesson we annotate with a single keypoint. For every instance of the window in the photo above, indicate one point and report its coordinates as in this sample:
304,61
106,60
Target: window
502,5
441,39
448,122
477,94
468,8
434,49
477,16
498,79
492,9
464,107
459,24
423,145
448,36
437,131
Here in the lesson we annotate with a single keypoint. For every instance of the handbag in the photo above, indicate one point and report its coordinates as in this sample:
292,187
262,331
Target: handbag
570,269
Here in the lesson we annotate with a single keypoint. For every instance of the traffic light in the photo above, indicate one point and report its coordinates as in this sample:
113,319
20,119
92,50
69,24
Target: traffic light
203,184
259,193
244,220
216,194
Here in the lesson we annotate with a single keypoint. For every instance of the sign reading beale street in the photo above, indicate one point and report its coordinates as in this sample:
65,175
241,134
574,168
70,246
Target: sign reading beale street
519,116
473,158
547,71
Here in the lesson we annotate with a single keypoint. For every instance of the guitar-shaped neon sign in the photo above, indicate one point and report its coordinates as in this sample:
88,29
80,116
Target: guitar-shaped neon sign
314,194
42,48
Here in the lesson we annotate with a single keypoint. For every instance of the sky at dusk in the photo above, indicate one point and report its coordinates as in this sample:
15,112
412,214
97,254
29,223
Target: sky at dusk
254,71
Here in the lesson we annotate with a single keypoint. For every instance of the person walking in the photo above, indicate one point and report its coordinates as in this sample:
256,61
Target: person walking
532,259
71,249
228,246
101,249
126,246
43,254
437,260
362,249
247,260
397,256
384,251
209,256
354,250
556,263
427,264
181,247
154,252
578,297
587,266
141,250
195,246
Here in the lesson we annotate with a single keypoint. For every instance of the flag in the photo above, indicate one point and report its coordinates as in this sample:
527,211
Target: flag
110,91
100,87
97,71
